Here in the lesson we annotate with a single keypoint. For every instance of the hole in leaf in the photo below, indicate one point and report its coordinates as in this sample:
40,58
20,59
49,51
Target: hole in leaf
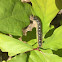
30,35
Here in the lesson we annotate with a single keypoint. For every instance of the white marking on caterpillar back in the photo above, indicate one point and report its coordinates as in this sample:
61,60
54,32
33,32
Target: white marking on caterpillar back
39,32
38,22
39,35
38,28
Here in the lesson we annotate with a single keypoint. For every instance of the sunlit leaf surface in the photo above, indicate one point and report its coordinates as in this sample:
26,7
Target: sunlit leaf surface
13,46
19,58
55,41
46,10
36,56
14,16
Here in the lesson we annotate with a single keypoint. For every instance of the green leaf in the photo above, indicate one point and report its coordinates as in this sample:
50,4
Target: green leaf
47,51
3,61
36,56
46,10
54,42
33,42
13,46
13,16
19,58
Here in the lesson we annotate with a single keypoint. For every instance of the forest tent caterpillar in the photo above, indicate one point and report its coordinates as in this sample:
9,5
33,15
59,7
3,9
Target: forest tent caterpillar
38,29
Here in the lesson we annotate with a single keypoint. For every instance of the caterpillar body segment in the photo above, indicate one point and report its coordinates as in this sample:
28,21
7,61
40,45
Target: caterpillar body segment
38,29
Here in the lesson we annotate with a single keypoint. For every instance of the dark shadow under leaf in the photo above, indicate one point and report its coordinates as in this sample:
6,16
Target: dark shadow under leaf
58,52
30,35
49,33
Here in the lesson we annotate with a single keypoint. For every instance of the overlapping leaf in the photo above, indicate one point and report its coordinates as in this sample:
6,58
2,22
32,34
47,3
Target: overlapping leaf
36,56
19,58
13,46
46,10
14,16
55,41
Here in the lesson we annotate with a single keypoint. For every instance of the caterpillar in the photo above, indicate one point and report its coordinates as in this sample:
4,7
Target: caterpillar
38,29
